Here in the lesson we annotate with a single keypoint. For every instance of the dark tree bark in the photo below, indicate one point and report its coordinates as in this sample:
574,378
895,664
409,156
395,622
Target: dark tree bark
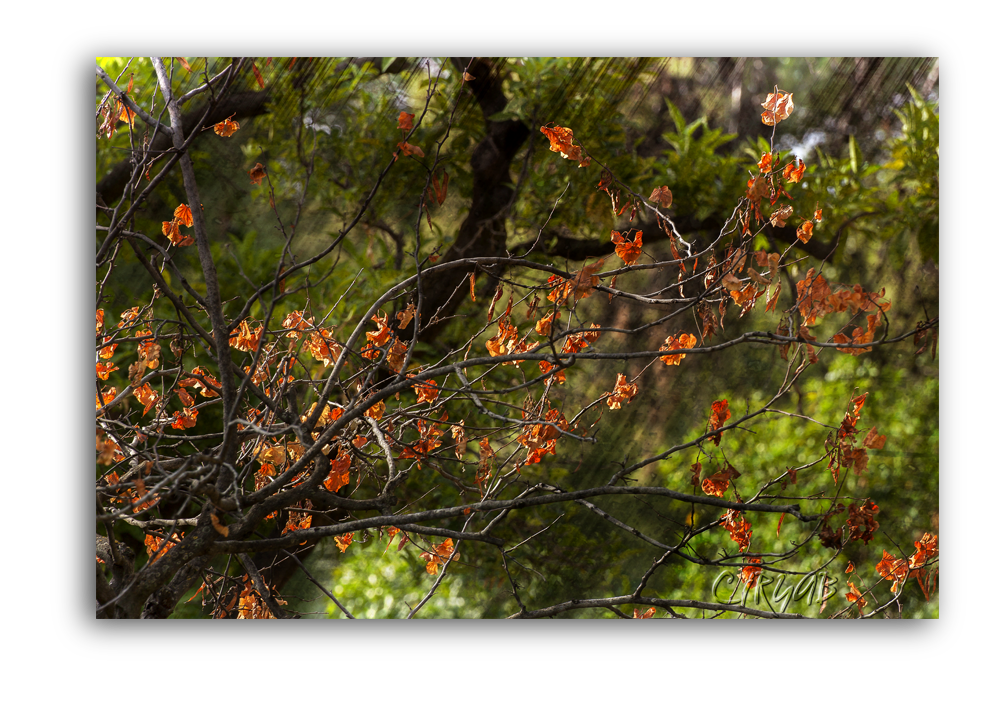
484,232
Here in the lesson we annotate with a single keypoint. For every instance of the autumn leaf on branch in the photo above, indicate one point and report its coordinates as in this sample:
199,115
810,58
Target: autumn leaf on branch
662,195
683,340
720,413
778,107
257,174
409,150
439,555
627,250
623,393
226,128
561,140
405,121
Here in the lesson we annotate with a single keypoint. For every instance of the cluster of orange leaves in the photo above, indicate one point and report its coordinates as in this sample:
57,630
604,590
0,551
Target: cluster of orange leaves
580,286
506,340
860,523
623,393
157,547
115,110
792,172
683,340
319,343
738,527
439,555
427,391
172,228
251,605
816,300
340,471
187,417
298,520
430,439
777,107
540,439
757,186
750,572
899,569
395,354
716,485
574,343
343,541
845,453
405,124
246,339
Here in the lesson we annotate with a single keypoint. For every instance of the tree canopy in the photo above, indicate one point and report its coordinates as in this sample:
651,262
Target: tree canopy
516,337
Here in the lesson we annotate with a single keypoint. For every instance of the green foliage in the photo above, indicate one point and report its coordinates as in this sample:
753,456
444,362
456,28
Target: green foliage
902,479
373,580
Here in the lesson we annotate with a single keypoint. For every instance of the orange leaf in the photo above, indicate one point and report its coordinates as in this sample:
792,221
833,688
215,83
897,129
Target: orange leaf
410,149
648,613
627,250
185,419
805,232
874,440
750,573
585,280
405,121
227,128
561,140
257,174
426,391
440,190
793,172
765,162
438,555
497,295
781,214
343,541
623,392
778,107
683,340
183,215
662,195
720,413
756,187
544,325
854,596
